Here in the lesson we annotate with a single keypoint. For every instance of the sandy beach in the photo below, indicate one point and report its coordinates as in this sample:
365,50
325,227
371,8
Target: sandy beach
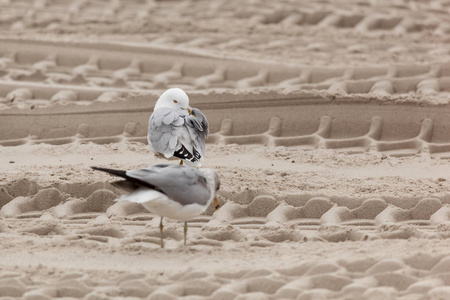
329,130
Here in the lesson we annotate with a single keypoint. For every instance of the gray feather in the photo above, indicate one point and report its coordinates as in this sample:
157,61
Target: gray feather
169,118
182,184
169,127
173,141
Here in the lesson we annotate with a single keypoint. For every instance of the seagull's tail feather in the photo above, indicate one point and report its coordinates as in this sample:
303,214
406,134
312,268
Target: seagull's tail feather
129,179
119,173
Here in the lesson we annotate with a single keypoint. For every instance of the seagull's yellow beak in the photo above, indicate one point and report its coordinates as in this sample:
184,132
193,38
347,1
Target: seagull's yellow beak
189,110
216,203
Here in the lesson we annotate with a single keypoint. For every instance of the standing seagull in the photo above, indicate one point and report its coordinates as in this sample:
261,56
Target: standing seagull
173,191
177,130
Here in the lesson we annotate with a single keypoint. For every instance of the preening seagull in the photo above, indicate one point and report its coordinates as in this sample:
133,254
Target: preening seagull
177,130
174,191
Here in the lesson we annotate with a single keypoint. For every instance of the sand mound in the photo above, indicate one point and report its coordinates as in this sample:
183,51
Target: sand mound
329,131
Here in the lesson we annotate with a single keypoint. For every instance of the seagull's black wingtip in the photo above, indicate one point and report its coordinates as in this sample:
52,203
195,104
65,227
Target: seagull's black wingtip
111,171
123,174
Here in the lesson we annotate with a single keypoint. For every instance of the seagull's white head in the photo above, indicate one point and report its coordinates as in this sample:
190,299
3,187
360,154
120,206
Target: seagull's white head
174,98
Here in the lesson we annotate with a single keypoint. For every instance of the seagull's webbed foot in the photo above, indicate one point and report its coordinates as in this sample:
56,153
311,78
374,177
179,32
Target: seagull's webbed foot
181,162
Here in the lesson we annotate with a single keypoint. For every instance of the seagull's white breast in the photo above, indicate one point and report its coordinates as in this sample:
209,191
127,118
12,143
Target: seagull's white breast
173,210
159,204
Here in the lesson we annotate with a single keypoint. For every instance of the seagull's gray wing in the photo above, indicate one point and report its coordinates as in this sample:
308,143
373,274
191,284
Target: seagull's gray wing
166,129
198,129
182,184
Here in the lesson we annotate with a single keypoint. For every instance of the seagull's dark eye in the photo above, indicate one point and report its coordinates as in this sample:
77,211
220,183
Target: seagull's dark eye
175,101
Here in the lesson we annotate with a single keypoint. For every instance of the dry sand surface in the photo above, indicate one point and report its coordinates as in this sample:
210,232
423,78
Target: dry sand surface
329,129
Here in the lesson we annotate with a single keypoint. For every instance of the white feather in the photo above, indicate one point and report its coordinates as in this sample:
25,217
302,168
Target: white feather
161,205
141,195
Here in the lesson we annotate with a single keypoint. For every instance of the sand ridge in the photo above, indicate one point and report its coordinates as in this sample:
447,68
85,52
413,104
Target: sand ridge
292,275
305,121
329,130
90,71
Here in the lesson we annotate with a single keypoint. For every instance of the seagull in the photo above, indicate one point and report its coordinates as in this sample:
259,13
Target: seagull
176,130
174,191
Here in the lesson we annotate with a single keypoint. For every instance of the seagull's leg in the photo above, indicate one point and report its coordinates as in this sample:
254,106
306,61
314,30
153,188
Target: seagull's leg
185,232
181,162
161,226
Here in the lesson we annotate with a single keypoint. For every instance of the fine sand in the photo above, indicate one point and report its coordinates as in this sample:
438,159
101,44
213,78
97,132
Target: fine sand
329,130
